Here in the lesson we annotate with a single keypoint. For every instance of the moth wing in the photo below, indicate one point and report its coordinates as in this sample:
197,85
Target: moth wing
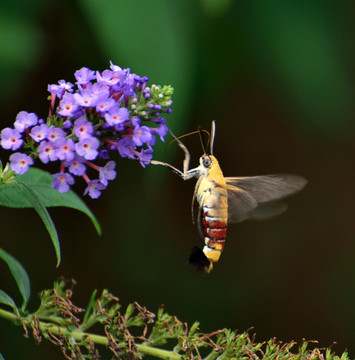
258,197
240,203
266,211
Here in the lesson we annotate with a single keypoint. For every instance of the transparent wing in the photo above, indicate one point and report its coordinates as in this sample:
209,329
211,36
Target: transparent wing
258,197
240,203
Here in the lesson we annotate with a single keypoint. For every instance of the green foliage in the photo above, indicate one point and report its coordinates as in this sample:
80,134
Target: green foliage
21,278
26,193
160,95
34,189
137,332
7,300
40,181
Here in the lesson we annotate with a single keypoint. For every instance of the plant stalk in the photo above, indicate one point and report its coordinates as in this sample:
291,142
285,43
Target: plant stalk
97,339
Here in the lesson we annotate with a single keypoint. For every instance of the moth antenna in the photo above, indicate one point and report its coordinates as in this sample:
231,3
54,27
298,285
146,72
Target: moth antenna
213,133
199,260
188,134
202,140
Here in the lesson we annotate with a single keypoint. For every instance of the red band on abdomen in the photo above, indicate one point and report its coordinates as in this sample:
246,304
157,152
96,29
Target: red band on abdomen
215,233
214,224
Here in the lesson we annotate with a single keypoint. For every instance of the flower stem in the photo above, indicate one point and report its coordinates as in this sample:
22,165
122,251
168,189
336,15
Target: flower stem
97,339
8,315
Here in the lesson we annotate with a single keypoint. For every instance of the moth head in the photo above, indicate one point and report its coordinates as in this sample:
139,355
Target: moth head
206,161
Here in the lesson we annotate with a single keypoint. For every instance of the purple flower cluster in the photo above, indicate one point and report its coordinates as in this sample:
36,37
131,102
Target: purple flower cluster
103,112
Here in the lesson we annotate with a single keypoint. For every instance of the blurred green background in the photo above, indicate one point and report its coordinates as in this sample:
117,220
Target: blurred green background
278,78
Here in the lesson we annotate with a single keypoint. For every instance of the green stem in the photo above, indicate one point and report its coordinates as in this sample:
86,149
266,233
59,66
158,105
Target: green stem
8,315
97,339
213,355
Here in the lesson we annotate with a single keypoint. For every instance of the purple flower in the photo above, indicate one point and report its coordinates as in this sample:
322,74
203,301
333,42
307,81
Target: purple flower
11,139
142,81
68,105
54,134
24,120
102,112
117,115
161,130
67,124
47,152
136,121
58,90
104,103
104,154
125,147
62,182
65,149
114,67
83,128
88,148
107,78
86,98
94,189
145,156
76,166
96,89
84,75
39,132
20,163
107,172
142,135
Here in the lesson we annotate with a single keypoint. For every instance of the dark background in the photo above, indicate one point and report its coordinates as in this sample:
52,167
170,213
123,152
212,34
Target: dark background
278,78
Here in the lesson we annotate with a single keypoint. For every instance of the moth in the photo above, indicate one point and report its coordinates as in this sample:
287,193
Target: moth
224,200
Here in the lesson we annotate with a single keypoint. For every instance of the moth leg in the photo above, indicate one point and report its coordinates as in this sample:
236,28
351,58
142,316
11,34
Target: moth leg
184,175
172,168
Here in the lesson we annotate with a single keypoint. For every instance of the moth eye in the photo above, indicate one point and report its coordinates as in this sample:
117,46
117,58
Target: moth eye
206,162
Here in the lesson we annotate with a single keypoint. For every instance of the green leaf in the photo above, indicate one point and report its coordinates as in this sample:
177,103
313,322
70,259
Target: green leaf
7,300
1,357
34,189
20,276
40,181
89,307
37,204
